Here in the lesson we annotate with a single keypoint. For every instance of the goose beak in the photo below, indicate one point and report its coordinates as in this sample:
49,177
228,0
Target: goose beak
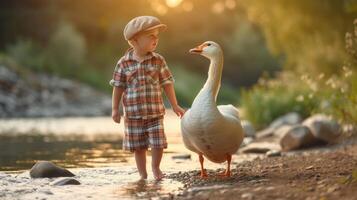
197,50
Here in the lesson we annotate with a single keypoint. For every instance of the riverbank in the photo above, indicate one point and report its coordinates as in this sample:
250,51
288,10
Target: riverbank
323,173
28,94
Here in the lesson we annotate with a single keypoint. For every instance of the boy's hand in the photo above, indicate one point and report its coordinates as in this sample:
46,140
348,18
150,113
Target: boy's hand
116,116
179,111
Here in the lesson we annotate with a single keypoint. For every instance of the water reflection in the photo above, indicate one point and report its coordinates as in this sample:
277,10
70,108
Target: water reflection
148,188
21,151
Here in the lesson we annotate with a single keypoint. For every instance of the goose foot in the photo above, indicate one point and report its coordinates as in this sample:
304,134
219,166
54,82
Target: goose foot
227,172
204,174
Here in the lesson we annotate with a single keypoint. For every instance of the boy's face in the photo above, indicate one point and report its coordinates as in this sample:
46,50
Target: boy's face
147,41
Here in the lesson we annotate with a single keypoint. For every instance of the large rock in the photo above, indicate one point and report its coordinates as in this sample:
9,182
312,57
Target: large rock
280,132
296,137
265,133
46,169
323,127
292,118
246,141
289,119
259,147
248,128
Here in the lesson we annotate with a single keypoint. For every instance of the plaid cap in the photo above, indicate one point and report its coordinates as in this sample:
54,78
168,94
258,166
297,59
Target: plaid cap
140,24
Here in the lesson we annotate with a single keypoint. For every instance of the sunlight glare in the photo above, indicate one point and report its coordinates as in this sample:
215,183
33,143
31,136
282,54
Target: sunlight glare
173,3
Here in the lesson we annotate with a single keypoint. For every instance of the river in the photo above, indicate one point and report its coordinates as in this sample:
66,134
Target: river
90,147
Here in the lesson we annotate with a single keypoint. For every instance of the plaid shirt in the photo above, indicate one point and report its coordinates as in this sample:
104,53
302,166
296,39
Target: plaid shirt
142,82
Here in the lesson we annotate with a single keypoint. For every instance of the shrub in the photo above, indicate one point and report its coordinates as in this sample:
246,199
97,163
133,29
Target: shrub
271,98
66,50
27,53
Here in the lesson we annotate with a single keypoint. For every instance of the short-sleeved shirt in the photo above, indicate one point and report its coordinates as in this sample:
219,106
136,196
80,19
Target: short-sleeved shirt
142,81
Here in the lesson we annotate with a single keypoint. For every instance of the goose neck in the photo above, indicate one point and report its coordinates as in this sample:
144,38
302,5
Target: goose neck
213,82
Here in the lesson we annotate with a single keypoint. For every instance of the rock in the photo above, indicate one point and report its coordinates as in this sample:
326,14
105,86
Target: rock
309,167
3,175
46,169
248,196
246,141
265,133
7,77
289,119
323,127
280,132
292,118
182,156
259,147
248,128
43,95
273,153
296,137
333,188
65,181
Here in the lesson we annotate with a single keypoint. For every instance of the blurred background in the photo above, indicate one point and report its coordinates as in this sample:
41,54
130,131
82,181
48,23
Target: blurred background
57,56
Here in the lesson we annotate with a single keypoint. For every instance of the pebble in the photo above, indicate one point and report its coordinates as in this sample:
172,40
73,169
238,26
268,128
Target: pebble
258,189
182,156
273,153
65,181
248,196
270,188
333,189
309,167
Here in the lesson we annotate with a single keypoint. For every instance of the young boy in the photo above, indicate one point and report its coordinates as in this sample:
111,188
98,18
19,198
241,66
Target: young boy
139,76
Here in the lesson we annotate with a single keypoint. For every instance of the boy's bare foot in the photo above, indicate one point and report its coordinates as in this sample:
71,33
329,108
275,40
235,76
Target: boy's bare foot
158,175
143,176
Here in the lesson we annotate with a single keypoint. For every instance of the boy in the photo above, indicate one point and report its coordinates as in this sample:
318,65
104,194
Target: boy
139,76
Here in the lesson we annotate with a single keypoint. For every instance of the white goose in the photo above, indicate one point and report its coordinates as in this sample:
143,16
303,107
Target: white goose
212,131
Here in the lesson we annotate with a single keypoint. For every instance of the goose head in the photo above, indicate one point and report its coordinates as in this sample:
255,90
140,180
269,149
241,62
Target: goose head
209,49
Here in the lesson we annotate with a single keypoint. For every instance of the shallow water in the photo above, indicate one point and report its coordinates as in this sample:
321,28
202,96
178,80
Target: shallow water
91,149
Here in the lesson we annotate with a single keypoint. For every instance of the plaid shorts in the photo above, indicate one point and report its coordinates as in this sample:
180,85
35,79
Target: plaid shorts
144,133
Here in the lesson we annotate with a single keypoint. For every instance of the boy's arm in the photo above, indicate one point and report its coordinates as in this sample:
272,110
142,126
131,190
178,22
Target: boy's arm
170,93
116,97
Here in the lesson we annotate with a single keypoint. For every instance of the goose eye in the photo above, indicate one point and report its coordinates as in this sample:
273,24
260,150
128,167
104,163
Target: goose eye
208,44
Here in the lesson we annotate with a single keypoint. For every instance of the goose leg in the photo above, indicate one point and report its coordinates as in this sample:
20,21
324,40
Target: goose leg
203,171
227,172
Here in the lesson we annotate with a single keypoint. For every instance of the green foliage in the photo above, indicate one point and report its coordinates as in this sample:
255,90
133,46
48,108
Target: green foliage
64,56
306,94
271,98
339,96
308,33
27,53
188,84
338,92
66,50
247,55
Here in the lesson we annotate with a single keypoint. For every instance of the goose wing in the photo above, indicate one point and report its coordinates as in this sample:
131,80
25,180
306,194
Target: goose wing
229,110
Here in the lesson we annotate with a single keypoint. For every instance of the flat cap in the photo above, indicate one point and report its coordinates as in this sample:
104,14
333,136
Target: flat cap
141,24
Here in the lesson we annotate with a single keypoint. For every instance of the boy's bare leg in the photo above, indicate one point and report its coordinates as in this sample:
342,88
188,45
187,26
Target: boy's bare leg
155,163
140,159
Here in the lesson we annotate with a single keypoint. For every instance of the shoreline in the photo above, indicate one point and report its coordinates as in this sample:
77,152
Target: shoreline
323,173
317,174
